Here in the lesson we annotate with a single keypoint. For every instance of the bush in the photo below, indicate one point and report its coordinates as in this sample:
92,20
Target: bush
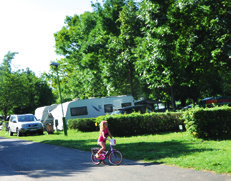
131,124
208,123
139,124
85,124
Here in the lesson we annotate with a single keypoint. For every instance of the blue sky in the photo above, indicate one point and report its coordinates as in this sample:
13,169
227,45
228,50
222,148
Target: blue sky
28,26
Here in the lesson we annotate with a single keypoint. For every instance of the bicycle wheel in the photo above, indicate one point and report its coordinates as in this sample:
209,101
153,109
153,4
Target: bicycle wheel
116,158
94,159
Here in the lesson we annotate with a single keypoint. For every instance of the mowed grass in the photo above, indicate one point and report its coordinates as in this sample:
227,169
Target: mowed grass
178,149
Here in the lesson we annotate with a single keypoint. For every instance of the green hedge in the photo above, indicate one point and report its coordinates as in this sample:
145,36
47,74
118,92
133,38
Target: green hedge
132,124
202,123
140,124
209,123
85,124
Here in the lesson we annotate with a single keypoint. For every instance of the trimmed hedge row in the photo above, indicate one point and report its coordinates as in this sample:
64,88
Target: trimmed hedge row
209,123
132,124
141,124
202,123
85,125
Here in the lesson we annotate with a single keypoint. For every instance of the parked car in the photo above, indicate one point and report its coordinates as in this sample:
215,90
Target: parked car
131,109
187,107
24,124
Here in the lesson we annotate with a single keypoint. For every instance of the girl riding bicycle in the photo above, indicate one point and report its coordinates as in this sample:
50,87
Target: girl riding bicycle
104,133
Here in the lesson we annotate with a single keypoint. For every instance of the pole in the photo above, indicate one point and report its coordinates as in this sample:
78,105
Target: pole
64,119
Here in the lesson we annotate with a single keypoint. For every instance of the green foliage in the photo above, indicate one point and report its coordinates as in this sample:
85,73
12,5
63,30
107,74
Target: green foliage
138,124
179,44
13,86
37,91
167,50
123,47
98,50
131,124
207,123
6,65
79,42
85,124
21,91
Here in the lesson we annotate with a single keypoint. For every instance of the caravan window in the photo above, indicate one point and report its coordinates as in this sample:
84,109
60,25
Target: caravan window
108,108
126,104
78,111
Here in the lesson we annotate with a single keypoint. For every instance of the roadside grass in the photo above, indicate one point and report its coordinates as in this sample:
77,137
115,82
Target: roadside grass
177,149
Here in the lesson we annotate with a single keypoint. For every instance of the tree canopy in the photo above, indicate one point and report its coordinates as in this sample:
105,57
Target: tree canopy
168,50
21,91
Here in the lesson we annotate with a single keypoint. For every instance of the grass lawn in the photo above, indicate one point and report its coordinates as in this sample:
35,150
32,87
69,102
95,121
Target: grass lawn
179,149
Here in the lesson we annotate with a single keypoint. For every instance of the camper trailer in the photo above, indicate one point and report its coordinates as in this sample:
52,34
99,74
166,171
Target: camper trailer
81,108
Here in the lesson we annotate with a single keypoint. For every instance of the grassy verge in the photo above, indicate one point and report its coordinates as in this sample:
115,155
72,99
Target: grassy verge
178,149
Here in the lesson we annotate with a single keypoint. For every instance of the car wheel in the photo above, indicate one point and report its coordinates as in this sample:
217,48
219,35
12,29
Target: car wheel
10,133
18,133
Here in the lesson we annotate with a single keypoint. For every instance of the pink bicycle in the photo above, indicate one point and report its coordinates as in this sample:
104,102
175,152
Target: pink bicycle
114,156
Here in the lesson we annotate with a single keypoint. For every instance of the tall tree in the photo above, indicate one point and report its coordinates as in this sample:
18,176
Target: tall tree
21,91
78,43
123,48
38,93
12,86
84,43
177,49
181,47
6,65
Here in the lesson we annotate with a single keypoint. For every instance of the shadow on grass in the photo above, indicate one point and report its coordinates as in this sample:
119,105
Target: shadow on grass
220,138
84,146
153,152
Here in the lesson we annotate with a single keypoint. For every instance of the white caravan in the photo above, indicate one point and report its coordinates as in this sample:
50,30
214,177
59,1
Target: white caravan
81,108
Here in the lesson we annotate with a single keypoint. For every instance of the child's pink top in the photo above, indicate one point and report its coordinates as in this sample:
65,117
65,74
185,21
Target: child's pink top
101,139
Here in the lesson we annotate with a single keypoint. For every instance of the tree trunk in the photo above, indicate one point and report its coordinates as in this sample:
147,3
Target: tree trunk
5,114
130,81
173,98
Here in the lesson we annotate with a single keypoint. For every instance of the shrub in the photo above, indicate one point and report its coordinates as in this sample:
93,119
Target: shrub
208,123
131,124
139,124
85,124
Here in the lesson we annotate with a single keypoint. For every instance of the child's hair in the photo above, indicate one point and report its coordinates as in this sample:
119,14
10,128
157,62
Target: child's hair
101,124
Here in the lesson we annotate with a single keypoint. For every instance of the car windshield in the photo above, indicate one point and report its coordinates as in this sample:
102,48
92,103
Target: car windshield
26,118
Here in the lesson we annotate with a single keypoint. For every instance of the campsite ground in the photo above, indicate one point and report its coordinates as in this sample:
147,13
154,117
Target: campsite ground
178,149
25,160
